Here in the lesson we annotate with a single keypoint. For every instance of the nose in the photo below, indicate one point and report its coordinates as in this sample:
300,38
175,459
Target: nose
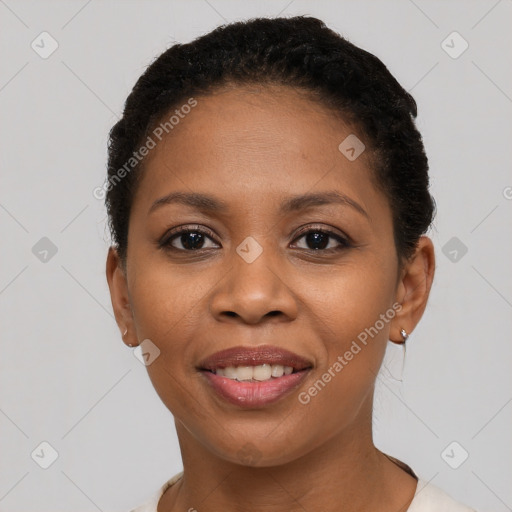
254,292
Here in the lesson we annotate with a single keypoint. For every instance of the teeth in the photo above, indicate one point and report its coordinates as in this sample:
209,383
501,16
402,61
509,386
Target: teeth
262,372
244,373
258,373
277,370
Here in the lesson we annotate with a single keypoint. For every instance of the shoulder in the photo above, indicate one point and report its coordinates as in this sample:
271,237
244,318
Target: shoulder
152,504
430,498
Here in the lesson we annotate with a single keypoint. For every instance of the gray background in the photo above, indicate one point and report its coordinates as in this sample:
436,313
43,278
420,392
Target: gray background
66,377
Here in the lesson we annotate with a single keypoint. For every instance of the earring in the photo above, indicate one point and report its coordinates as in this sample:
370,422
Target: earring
404,335
124,334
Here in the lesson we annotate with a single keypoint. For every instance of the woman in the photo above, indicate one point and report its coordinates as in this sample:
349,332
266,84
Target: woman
268,200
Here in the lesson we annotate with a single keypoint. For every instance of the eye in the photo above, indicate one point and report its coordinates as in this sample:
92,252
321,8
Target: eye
191,239
196,238
318,238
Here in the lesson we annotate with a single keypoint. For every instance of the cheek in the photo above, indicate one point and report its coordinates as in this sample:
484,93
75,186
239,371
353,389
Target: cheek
165,300
354,311
166,310
165,304
350,299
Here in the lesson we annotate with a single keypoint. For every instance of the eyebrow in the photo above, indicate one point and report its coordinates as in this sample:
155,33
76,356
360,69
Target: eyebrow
212,204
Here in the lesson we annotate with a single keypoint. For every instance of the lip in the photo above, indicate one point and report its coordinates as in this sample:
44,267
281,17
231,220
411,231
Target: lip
253,395
254,356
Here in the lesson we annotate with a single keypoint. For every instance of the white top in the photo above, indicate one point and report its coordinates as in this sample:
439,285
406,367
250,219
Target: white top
427,498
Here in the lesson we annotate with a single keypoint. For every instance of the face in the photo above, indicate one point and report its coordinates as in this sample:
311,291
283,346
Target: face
292,250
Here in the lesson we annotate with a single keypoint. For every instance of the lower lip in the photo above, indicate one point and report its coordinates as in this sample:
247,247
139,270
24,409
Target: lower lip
249,395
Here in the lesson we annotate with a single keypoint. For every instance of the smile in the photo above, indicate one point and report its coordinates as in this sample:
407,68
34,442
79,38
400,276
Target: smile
254,377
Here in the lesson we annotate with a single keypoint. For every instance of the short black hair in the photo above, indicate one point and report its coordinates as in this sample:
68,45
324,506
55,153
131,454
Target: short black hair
300,52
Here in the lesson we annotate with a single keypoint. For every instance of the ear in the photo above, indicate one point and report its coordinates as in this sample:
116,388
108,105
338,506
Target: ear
117,283
413,289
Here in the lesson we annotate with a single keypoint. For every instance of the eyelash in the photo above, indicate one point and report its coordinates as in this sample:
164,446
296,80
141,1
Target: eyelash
165,243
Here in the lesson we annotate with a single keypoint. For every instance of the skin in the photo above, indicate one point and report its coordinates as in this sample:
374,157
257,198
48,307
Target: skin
253,148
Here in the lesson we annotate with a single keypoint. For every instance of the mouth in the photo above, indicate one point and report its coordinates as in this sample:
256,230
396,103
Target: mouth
252,377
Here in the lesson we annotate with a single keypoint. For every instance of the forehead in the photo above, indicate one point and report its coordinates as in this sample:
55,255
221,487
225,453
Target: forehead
256,141
262,117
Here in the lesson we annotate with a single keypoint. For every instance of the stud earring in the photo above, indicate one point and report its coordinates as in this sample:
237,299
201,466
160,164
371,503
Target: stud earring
404,335
124,334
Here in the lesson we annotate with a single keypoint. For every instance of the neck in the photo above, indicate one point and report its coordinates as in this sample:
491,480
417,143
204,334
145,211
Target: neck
347,470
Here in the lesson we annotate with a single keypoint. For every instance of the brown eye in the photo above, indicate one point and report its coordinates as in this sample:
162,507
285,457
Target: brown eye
187,240
317,239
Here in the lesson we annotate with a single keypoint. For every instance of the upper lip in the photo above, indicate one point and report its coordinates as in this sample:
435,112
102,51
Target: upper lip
254,356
